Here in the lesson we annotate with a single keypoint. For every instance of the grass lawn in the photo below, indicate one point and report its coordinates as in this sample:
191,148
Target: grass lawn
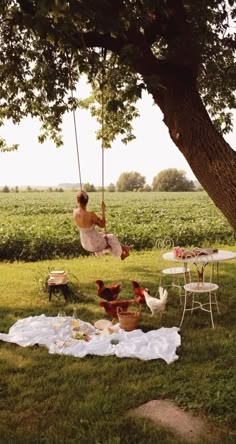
62,399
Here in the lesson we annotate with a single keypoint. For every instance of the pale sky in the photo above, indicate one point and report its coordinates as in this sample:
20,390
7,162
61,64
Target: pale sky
45,165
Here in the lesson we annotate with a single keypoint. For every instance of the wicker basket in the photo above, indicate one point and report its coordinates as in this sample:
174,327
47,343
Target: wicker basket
128,320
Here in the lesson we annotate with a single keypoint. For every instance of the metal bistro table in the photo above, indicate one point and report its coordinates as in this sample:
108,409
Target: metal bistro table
200,261
216,258
220,256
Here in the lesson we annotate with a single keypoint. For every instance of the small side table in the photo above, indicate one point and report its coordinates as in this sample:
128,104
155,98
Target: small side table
56,288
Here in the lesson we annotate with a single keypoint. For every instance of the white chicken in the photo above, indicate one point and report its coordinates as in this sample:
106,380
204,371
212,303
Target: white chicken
157,305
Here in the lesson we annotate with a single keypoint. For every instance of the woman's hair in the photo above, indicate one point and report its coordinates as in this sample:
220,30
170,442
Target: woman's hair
82,198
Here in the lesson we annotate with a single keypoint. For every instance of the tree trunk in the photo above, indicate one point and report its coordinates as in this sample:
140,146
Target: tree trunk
210,157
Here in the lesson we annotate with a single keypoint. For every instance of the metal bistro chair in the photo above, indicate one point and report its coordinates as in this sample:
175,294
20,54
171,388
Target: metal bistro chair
200,294
179,275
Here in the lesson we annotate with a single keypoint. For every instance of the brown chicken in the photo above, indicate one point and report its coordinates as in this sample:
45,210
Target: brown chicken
111,307
139,292
108,293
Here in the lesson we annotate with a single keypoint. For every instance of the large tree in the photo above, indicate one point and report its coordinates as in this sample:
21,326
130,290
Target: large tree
172,179
181,52
132,181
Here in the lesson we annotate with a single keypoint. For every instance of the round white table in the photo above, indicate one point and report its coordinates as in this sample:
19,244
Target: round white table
221,255
200,262
215,258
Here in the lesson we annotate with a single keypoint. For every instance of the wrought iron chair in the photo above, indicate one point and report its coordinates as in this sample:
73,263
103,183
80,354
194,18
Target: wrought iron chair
201,288
180,275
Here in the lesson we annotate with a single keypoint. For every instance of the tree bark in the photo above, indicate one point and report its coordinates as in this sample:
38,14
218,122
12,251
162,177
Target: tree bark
210,157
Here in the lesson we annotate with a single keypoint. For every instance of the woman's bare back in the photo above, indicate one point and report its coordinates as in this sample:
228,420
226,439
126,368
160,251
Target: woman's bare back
84,218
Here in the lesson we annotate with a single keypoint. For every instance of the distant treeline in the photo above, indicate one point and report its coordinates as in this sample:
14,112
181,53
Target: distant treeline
167,180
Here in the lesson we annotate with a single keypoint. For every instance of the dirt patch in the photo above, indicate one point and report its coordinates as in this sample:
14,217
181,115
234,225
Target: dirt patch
166,413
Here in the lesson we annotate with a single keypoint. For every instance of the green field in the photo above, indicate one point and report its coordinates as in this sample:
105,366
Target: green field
38,225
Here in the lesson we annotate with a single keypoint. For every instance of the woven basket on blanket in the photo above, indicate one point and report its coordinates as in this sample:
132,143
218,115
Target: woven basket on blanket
128,320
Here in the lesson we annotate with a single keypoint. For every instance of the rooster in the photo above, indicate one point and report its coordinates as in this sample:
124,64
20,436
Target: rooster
139,292
110,307
156,305
108,293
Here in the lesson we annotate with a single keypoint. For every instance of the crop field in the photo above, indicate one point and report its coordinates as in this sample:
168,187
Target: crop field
38,225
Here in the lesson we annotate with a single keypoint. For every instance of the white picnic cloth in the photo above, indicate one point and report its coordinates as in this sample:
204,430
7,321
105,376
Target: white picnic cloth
55,333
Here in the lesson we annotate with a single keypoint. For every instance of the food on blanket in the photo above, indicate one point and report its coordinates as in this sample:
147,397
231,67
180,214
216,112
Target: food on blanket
110,330
81,336
111,307
102,323
107,331
157,305
109,293
139,292
76,328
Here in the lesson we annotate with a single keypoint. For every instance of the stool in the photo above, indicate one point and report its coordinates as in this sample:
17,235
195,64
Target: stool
55,288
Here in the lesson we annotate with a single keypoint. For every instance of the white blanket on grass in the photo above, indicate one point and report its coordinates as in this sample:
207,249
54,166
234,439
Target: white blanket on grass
55,333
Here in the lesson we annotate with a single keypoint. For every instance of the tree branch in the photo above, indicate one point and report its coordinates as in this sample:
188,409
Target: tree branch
27,7
94,39
171,23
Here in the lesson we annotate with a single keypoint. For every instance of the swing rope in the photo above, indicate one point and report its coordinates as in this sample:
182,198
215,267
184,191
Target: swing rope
103,145
77,145
103,148
76,136
69,58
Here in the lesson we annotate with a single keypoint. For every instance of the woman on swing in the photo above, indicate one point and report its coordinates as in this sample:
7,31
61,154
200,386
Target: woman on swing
91,239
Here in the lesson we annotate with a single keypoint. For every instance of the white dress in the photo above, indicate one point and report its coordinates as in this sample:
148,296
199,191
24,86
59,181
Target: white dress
97,242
